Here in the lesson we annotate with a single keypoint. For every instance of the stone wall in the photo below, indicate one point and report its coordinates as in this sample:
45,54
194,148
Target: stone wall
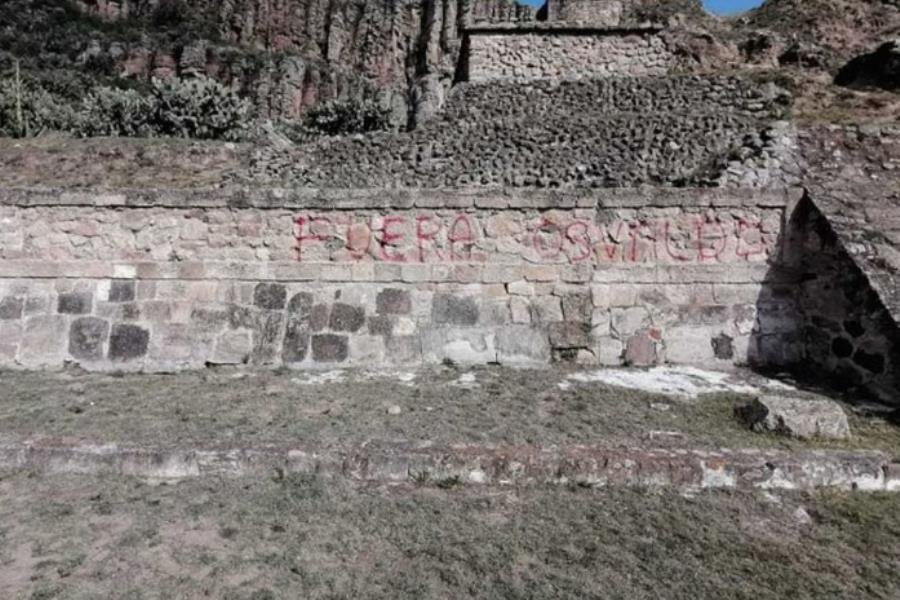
611,132
597,12
548,52
310,278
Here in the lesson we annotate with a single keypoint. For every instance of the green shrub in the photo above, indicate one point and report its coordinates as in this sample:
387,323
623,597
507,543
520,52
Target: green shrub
115,112
340,117
199,108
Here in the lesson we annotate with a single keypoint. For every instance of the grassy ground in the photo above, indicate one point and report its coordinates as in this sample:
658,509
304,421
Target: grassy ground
84,537
227,408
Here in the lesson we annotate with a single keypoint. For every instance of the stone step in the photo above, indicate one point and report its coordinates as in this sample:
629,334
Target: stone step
473,464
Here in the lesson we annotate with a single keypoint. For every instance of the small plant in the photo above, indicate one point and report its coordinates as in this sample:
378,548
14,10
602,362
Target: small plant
341,117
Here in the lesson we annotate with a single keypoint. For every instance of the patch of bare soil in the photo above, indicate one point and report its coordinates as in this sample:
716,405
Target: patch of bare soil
227,408
70,537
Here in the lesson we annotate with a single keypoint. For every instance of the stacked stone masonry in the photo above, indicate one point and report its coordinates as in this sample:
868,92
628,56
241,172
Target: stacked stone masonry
160,281
615,132
500,54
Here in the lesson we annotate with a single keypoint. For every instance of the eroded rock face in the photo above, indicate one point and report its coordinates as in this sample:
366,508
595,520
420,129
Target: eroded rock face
802,418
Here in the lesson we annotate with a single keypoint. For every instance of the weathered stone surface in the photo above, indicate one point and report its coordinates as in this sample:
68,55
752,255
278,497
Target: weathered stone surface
43,341
522,345
329,348
271,296
74,303
642,349
345,317
466,346
87,336
803,418
296,341
265,337
449,309
391,301
319,317
570,335
11,308
128,342
301,305
233,348
121,290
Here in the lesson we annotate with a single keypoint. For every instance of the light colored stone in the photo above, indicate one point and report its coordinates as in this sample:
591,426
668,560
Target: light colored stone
522,345
466,346
802,418
44,341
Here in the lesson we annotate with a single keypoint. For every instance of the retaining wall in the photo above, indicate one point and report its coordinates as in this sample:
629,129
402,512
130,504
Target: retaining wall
563,51
144,280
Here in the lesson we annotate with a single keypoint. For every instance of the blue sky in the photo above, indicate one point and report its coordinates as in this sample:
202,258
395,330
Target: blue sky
717,6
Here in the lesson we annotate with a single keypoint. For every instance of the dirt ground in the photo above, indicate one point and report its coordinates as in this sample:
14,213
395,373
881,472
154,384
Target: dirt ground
80,537
226,408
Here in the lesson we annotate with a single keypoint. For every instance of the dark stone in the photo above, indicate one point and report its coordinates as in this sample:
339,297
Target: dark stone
127,342
448,309
271,296
826,324
704,314
301,305
74,303
577,307
874,363
391,301
296,341
121,291
841,347
131,312
265,335
723,347
345,317
381,325
329,348
570,334
854,328
11,308
86,338
318,319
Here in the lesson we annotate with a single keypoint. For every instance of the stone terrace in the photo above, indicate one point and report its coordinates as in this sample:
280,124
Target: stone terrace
601,133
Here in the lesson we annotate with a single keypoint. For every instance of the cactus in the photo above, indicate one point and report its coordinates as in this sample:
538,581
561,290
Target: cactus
199,108
28,110
115,112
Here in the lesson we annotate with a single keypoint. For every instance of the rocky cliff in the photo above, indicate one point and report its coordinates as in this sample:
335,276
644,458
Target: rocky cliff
291,54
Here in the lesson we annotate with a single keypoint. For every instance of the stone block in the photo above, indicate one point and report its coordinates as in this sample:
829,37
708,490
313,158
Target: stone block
520,310
449,309
393,301
270,296
43,341
382,325
11,308
74,303
330,348
577,306
87,337
690,344
319,317
367,350
345,317
522,345
403,350
520,288
569,334
121,291
626,321
468,346
643,349
128,342
233,348
609,351
546,309
802,418
267,328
